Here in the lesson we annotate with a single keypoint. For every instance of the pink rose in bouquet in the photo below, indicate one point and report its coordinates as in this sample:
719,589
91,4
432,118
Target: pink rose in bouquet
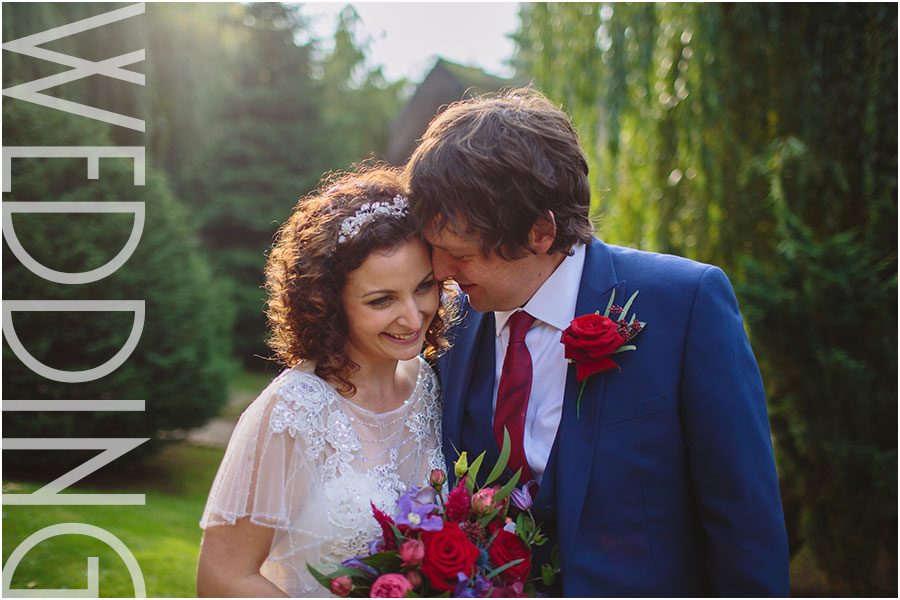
483,501
411,553
392,585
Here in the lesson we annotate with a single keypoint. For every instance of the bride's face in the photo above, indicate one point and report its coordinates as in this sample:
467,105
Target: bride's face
390,301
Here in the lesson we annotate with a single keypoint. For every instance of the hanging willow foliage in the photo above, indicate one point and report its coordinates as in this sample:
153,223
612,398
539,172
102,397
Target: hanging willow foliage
763,138
681,108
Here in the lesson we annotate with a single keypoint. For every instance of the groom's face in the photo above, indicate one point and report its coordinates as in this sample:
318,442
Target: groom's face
491,282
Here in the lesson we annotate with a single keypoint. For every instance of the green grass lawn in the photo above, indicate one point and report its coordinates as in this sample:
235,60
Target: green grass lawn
163,534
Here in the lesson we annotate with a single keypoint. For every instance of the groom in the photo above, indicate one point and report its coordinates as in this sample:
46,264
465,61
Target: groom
660,480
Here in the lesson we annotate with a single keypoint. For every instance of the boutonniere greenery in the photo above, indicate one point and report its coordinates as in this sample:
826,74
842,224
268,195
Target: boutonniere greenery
591,339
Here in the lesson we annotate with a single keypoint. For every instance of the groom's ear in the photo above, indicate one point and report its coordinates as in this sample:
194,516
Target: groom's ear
543,233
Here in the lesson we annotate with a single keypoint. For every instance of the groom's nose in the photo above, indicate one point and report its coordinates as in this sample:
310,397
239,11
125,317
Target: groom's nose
442,264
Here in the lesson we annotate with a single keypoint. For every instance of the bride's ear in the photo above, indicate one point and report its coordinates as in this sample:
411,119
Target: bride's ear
543,233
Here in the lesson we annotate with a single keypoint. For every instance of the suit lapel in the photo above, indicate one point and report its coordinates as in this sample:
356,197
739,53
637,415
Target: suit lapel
577,434
458,377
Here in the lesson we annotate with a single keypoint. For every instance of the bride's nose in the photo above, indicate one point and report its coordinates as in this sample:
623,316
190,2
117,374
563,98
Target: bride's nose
411,316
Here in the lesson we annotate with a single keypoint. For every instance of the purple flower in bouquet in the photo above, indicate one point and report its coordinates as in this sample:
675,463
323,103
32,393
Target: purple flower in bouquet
425,495
376,546
521,497
415,514
513,590
465,589
355,563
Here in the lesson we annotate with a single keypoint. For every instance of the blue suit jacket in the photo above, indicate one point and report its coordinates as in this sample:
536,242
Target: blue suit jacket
666,484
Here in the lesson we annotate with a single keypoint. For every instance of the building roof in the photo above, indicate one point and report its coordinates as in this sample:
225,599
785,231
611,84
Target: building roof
447,82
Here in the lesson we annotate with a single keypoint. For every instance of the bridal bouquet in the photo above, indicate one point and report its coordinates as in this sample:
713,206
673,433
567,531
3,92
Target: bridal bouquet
469,542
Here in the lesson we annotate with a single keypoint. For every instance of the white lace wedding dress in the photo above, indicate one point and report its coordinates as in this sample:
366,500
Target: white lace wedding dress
306,462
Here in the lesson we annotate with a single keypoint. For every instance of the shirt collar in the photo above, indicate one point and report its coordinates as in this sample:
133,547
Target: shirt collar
553,302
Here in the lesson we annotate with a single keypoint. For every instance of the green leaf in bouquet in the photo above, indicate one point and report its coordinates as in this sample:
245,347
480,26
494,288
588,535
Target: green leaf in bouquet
387,561
609,304
546,574
473,473
411,594
508,488
483,521
499,570
502,461
324,580
525,528
398,535
628,304
624,348
520,527
554,556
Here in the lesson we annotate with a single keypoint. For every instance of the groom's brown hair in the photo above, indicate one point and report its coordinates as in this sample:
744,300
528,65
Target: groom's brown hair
491,166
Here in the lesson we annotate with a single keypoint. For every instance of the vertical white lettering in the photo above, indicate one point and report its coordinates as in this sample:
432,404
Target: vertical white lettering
9,331
111,67
136,208
112,448
93,154
93,570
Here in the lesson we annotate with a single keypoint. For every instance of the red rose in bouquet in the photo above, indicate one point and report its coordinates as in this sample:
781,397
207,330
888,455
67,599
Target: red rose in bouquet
447,552
506,548
589,340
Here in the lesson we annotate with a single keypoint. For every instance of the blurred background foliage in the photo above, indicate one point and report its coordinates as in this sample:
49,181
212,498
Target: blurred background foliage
759,137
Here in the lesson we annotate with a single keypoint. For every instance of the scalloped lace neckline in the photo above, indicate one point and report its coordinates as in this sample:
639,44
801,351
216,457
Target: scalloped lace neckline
366,411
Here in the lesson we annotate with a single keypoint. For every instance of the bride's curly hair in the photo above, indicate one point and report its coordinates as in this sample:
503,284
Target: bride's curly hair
307,269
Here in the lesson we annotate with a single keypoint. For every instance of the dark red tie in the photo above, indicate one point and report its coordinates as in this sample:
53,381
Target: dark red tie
512,395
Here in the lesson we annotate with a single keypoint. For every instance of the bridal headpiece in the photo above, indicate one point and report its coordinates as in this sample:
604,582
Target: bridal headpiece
351,226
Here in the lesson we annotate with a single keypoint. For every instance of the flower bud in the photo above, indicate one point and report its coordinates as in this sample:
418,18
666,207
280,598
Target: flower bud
414,578
341,586
483,501
411,553
461,466
438,477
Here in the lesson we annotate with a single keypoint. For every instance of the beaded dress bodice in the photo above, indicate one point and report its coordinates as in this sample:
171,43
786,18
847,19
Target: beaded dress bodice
307,462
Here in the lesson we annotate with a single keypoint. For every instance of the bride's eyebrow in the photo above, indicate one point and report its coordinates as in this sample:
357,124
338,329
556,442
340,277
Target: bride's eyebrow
378,292
388,292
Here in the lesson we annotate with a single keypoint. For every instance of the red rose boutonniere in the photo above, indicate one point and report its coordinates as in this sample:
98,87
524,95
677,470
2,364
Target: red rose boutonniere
590,340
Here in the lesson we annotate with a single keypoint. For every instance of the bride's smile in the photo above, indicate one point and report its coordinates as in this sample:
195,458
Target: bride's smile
399,337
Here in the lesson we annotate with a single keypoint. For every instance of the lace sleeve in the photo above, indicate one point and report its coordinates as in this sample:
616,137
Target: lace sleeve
266,473
433,407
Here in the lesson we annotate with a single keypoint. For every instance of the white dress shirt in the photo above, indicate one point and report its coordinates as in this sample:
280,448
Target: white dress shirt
553,307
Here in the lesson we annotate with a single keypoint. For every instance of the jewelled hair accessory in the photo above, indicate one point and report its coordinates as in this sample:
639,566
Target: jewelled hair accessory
366,213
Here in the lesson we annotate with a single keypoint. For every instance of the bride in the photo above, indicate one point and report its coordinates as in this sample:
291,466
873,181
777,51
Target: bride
356,416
